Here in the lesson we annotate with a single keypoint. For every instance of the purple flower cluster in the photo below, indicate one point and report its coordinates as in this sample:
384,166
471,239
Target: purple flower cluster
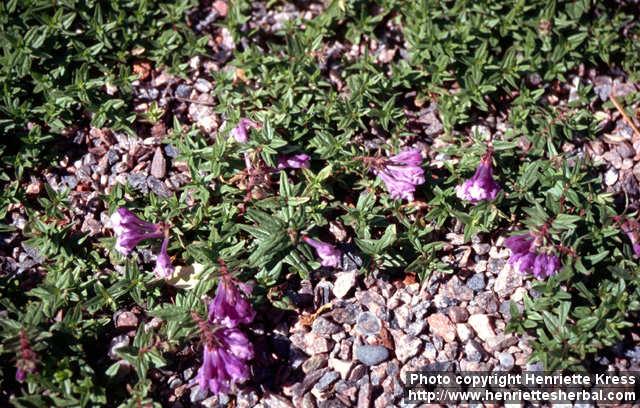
402,173
230,306
224,360
131,230
227,349
329,255
241,131
481,186
525,257
26,363
296,161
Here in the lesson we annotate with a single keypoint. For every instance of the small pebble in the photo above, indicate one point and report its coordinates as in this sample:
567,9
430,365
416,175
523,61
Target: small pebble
371,355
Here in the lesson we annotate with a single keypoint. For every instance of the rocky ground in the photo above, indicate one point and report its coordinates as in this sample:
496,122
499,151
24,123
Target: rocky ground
353,336
356,336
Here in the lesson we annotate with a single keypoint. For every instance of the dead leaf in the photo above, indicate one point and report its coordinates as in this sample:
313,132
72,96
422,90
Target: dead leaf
307,320
386,339
409,279
143,69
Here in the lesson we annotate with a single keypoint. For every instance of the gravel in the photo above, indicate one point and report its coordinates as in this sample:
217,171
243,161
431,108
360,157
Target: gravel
371,355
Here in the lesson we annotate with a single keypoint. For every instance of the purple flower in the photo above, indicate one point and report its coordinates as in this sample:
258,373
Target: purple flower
402,173
545,265
519,243
224,360
241,131
230,306
329,255
525,257
296,161
523,262
21,375
163,268
130,230
482,186
554,265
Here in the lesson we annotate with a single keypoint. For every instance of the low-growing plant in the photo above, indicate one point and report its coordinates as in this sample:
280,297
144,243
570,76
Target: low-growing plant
310,149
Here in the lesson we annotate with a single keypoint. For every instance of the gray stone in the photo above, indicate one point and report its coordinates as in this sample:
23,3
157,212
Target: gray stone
403,316
357,372
458,314
371,355
183,91
346,345
171,151
351,261
197,394
138,181
174,382
309,381
481,249
158,164
383,401
341,366
505,308
316,344
433,126
331,403
188,373
372,301
534,367
364,395
495,265
324,327
308,401
602,87
476,282
430,351
500,342
421,309
506,360
148,93
276,401
456,290
247,398
416,328
474,351
507,281
463,331
326,381
442,302
407,346
158,187
345,314
368,324
344,282
378,374
202,85
482,325
611,176
126,320
315,363
487,301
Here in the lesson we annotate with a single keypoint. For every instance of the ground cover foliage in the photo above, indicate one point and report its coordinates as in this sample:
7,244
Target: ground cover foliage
346,84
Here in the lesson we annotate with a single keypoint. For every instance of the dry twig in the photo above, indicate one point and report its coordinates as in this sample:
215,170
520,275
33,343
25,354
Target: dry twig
625,117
